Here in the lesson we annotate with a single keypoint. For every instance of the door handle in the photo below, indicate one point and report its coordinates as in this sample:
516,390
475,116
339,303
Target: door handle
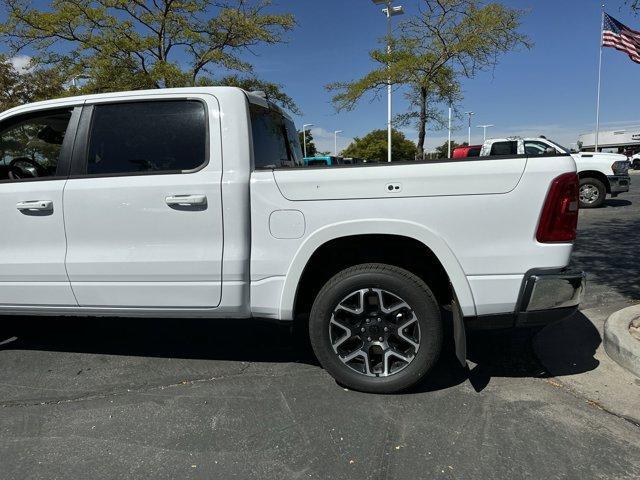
35,205
186,200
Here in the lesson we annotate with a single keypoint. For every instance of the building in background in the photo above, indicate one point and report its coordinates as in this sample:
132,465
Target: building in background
624,140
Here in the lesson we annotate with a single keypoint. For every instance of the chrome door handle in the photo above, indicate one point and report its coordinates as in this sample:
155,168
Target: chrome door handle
186,200
35,205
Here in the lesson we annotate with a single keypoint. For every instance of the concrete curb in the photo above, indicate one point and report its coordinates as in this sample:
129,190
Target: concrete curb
618,342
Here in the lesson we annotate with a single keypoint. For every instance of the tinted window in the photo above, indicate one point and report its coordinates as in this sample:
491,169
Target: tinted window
275,139
504,148
30,145
475,152
147,137
537,148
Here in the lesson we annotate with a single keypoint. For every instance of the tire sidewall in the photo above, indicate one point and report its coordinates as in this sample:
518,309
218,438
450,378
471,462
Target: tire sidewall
419,298
602,192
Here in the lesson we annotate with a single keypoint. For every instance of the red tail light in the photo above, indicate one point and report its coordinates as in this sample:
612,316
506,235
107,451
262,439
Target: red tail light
559,219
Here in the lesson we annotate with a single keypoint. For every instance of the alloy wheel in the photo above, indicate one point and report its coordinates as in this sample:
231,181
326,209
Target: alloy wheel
374,332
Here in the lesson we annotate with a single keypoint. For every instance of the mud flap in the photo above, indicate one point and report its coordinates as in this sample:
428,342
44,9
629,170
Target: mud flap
459,334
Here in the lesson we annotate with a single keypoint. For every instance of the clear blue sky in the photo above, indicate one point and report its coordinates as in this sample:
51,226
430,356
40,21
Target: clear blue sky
549,90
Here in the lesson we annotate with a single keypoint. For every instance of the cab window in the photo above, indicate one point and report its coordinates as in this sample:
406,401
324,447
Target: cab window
532,148
30,145
147,137
275,139
504,148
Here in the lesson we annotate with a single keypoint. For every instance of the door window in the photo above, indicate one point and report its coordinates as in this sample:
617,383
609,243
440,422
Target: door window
30,145
532,147
147,137
504,148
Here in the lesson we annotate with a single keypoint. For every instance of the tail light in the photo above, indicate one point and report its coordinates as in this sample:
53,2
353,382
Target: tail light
559,219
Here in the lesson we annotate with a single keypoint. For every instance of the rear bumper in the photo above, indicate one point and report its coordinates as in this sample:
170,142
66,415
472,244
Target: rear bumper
619,183
546,296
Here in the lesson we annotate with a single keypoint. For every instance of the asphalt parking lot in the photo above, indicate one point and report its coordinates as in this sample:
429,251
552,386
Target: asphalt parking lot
131,398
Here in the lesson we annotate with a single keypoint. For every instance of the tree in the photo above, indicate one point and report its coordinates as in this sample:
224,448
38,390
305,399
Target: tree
311,151
447,40
373,146
443,150
133,44
27,85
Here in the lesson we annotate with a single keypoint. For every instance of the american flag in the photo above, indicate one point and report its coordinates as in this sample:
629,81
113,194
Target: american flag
619,36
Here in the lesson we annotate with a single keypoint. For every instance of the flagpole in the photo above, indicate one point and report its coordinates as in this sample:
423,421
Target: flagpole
599,83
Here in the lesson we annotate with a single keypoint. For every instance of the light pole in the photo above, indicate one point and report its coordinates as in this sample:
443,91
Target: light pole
484,127
471,114
75,78
449,141
389,11
304,136
335,140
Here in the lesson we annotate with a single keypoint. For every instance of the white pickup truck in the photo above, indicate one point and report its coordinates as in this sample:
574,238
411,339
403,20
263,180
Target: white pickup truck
196,203
600,173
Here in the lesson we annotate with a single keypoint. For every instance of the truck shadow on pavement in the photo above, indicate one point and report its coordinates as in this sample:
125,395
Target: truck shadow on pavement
564,348
507,353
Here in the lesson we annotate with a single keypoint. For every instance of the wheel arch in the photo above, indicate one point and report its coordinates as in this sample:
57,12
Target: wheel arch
597,175
435,247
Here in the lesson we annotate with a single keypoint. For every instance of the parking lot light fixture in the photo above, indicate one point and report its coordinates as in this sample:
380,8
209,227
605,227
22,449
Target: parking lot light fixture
484,135
470,114
390,11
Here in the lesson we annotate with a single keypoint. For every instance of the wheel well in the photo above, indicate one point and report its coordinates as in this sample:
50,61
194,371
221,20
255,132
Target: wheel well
338,254
598,175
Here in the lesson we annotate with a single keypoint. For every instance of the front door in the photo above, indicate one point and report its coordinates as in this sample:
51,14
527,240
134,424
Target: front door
35,150
143,209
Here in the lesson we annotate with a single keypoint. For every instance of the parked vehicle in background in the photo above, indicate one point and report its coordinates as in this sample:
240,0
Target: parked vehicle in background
635,161
196,202
600,173
467,151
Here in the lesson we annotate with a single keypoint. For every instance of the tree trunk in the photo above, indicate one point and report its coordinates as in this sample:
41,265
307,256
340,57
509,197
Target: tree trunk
422,121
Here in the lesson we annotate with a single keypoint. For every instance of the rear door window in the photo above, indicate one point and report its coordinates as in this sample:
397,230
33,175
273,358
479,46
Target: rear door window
505,148
147,137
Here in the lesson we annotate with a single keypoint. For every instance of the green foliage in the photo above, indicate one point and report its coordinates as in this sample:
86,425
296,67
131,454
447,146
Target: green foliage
447,40
312,151
373,146
30,85
134,44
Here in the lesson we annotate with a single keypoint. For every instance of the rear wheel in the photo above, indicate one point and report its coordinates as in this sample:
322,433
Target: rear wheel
636,164
376,328
592,193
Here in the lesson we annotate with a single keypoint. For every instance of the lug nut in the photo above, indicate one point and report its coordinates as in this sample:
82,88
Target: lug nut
362,329
368,339
386,329
368,320
380,339
379,320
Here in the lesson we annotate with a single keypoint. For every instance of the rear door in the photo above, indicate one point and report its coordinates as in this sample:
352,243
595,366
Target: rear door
143,208
35,151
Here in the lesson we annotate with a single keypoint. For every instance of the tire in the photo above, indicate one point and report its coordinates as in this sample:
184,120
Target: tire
636,164
593,193
394,301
